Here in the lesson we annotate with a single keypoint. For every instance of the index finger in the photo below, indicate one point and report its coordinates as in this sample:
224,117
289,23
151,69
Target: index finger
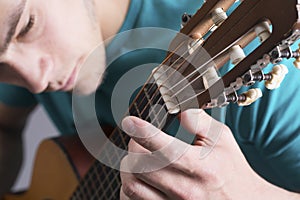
166,147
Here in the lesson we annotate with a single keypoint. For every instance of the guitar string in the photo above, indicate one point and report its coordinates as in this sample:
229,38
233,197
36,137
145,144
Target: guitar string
115,175
158,100
186,86
194,43
171,54
101,183
178,92
159,66
199,76
158,126
146,82
174,71
191,74
195,79
122,138
187,77
142,99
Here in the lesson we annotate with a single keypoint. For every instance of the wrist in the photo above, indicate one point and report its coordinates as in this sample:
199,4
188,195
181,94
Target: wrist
266,190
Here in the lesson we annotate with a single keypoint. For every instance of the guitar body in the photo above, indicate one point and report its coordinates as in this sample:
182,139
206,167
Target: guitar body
59,165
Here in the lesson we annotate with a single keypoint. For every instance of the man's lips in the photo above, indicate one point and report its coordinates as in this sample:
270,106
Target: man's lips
71,81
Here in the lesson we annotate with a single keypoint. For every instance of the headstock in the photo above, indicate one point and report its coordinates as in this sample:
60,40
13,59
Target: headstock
215,38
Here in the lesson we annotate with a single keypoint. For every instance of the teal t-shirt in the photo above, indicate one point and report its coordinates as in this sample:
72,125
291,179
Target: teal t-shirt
267,131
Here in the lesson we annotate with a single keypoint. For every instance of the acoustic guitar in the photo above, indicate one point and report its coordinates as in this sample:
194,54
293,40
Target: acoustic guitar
186,79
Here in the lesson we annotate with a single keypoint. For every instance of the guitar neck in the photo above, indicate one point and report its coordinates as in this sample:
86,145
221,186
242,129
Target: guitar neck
102,181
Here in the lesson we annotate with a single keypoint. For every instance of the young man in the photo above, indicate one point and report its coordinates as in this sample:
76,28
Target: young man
42,46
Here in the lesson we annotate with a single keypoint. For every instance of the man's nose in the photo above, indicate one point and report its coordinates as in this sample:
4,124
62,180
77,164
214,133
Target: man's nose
33,69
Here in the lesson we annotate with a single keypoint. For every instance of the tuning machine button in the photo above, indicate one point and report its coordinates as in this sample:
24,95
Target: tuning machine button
249,97
272,79
277,75
244,99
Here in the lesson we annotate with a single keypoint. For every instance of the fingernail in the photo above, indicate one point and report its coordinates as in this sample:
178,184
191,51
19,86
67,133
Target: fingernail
128,125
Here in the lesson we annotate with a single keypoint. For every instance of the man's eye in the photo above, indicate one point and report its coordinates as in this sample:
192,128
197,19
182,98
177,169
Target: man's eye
28,26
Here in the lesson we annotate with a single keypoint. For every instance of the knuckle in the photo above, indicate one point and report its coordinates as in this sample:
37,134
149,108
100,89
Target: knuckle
226,129
145,142
187,193
188,164
130,189
135,147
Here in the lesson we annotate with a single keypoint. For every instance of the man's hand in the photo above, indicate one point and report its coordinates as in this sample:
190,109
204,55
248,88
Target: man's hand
163,167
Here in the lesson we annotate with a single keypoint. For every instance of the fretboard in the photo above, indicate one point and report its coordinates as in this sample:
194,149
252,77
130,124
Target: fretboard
103,182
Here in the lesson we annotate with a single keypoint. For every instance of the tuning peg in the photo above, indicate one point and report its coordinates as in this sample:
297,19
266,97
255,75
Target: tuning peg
263,31
249,97
237,54
285,52
185,19
218,16
210,77
278,73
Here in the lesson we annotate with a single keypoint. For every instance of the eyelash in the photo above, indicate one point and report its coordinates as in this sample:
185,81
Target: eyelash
28,27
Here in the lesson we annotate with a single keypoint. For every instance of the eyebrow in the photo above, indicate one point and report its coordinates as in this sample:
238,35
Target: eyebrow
13,20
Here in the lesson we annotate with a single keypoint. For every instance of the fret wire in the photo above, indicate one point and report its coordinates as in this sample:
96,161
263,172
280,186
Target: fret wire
94,182
150,106
108,175
81,190
116,137
137,110
86,185
115,175
112,172
100,180
116,188
156,115
105,191
100,188
106,178
147,94
118,181
123,145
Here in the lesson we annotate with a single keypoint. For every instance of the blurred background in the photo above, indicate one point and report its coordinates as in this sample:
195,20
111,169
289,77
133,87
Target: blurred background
38,128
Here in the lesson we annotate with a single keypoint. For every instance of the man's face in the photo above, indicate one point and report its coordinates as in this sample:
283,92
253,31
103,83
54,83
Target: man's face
50,43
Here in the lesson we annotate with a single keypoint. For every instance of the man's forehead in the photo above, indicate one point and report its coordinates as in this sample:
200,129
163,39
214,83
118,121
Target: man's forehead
7,9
